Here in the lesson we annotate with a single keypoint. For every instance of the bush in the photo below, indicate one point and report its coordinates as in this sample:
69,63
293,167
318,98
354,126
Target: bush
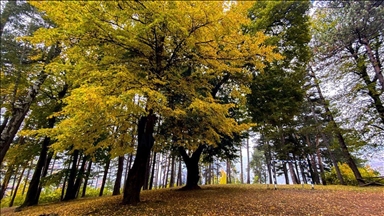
349,178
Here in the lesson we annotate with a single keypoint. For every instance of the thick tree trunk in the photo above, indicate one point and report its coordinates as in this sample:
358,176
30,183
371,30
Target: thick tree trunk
20,110
119,175
71,192
86,178
192,164
136,175
105,175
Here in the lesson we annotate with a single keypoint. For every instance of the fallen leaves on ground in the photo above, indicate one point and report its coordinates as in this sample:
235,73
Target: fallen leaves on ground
229,200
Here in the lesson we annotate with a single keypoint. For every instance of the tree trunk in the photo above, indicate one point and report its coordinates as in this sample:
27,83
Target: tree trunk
210,174
248,164
153,171
147,173
80,176
86,178
320,162
32,197
17,187
229,176
192,164
119,175
136,175
6,180
374,61
45,172
71,192
292,173
303,173
268,158
179,180
172,180
285,171
20,110
26,178
105,175
166,172
241,166
65,182
158,172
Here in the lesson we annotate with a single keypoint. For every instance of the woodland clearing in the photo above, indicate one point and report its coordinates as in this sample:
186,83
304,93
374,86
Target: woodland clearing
228,200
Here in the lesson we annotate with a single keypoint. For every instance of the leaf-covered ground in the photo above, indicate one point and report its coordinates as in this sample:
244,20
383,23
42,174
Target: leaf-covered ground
229,200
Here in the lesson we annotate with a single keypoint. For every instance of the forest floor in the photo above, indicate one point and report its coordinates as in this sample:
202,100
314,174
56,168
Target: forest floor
228,200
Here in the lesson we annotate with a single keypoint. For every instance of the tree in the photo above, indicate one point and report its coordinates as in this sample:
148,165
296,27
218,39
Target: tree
156,53
18,91
278,91
348,37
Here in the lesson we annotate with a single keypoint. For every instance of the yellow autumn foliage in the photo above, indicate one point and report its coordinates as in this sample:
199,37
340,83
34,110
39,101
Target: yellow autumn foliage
123,58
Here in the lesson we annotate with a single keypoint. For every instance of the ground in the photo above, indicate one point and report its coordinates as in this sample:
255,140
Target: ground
229,200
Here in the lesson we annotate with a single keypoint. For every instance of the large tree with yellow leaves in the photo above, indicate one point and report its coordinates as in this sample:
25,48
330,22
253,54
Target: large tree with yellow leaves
134,61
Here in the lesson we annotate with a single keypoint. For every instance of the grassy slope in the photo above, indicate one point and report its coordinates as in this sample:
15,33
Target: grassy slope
229,200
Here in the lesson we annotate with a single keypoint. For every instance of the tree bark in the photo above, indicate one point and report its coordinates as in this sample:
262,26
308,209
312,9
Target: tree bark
147,173
105,175
136,175
71,193
248,164
241,166
86,178
153,171
318,154
80,176
172,180
192,164
119,175
179,180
